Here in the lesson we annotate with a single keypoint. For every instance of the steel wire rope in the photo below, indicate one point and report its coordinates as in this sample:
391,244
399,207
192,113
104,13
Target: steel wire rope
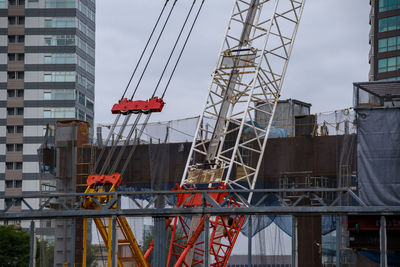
145,48
183,48
105,166
154,49
173,49
119,156
165,90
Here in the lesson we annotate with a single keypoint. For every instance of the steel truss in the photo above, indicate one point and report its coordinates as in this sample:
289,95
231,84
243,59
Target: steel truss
114,208
248,77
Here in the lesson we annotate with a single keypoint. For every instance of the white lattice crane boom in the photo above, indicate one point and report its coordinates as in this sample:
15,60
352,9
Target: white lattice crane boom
248,77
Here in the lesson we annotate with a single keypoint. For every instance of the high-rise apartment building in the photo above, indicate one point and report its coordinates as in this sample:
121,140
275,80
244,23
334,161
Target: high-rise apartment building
384,55
47,62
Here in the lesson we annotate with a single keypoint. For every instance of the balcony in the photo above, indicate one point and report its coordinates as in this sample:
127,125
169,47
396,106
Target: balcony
16,47
16,29
16,10
17,138
14,156
15,120
13,174
15,84
15,66
15,102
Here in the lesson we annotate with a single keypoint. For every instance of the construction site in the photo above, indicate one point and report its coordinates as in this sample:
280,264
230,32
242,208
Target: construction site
253,180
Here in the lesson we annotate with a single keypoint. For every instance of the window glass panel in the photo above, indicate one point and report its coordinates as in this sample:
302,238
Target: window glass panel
89,104
60,22
391,65
11,93
9,165
60,4
18,147
81,115
389,24
33,3
19,129
47,96
10,111
62,76
10,147
18,165
81,98
382,65
47,114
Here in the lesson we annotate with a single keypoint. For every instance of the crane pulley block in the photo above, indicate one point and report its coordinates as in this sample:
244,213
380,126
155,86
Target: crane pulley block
126,106
193,200
101,180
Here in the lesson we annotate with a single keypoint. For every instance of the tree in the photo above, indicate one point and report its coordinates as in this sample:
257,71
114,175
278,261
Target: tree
14,246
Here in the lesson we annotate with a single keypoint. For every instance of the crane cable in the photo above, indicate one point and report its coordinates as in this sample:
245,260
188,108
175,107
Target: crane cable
183,48
145,48
119,156
119,136
165,90
173,49
154,48
119,115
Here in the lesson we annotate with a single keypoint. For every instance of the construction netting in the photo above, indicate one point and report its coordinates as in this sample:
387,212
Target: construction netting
338,122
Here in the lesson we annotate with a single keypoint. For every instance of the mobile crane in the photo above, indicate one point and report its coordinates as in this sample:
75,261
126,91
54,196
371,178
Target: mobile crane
248,78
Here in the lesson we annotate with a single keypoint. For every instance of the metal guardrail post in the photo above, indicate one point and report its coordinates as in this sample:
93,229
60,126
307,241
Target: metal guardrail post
383,242
32,252
114,241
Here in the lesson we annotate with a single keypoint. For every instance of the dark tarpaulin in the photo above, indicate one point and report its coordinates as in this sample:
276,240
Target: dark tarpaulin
378,146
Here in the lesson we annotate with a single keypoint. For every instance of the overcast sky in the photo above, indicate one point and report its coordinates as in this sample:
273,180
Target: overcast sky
330,53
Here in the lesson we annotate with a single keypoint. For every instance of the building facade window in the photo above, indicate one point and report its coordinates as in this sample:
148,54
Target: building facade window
14,147
16,2
60,76
89,119
60,4
16,57
389,24
389,44
13,165
60,22
16,20
11,129
64,58
15,93
81,115
33,3
59,40
12,75
16,38
388,64
3,4
81,98
59,113
13,183
15,111
89,104
86,11
386,5
59,94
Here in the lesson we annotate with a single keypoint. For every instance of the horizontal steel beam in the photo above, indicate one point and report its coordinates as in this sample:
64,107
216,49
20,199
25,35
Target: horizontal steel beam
171,212
148,210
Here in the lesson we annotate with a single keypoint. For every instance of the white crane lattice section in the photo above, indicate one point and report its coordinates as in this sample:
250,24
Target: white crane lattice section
248,77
